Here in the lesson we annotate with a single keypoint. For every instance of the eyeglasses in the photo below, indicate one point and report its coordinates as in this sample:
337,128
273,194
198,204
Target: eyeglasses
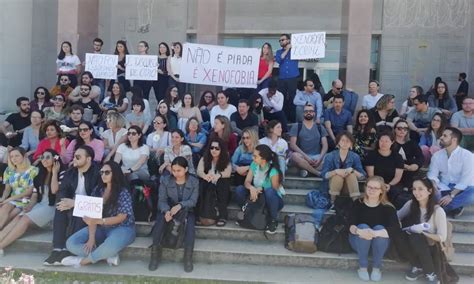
84,89
46,157
402,128
59,99
245,137
77,157
373,188
83,129
214,148
105,172
308,111
64,80
132,133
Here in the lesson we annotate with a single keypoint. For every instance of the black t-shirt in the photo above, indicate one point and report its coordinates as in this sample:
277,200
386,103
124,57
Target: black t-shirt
384,166
18,122
250,121
384,215
90,109
411,153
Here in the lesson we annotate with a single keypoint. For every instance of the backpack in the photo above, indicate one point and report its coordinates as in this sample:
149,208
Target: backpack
447,246
144,199
317,200
174,231
334,235
254,214
301,234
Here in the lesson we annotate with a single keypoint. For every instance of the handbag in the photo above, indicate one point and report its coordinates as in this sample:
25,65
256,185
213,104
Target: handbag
173,236
254,214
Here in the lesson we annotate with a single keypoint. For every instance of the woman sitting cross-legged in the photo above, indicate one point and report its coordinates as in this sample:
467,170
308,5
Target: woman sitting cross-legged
18,179
264,177
372,222
419,244
104,238
134,155
342,168
214,169
177,197
40,211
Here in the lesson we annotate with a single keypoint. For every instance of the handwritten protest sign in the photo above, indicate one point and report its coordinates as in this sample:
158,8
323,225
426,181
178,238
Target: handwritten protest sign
141,67
308,45
102,66
88,206
219,65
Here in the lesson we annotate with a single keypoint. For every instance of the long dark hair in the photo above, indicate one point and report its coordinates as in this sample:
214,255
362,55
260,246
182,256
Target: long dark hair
119,183
223,160
62,54
385,133
140,132
167,48
446,92
122,95
253,99
46,94
44,177
414,216
168,99
122,42
365,130
79,140
202,101
272,159
443,125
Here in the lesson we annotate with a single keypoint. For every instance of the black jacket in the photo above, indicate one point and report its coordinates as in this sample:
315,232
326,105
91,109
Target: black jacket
67,188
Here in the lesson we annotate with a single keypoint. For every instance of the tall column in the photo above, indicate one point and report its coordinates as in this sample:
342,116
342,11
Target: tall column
359,38
78,23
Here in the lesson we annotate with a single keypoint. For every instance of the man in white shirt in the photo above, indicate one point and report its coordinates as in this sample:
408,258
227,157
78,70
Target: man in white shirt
451,170
273,105
222,108
369,101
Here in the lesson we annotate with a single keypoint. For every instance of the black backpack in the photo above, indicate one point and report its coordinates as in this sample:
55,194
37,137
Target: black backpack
254,214
301,234
334,235
144,199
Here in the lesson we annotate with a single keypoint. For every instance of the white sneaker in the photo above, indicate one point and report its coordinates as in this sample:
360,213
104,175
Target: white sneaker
113,261
74,261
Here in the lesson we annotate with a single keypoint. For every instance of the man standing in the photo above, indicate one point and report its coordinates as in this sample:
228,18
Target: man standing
97,45
336,120
463,90
91,107
273,102
80,180
309,95
242,118
18,122
308,143
288,75
451,170
464,120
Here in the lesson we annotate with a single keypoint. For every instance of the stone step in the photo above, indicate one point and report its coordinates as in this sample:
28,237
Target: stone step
302,183
463,242
239,252
135,271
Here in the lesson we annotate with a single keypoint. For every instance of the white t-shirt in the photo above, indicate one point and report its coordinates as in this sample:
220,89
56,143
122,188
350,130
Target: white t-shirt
131,156
280,147
370,101
217,110
155,142
68,63
81,188
111,139
175,64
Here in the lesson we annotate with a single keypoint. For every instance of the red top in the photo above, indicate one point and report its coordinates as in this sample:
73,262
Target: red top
45,144
262,68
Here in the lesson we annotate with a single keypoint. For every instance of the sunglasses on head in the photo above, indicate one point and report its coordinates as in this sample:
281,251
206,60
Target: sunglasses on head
105,172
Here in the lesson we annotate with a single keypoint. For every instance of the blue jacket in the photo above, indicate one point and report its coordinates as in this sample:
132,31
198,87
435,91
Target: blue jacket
449,102
332,161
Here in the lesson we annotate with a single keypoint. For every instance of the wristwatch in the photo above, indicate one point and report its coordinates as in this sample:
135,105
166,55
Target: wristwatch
452,195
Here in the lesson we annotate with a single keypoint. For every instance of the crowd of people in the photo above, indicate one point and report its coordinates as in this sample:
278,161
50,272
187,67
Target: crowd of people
87,136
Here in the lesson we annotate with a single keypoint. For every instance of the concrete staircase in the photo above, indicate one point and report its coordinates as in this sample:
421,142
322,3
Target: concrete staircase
234,247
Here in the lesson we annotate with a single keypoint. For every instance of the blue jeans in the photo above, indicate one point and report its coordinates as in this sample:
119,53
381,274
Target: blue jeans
273,202
110,241
361,246
463,198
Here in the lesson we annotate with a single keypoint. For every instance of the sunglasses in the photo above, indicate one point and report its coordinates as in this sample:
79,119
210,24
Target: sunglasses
132,133
338,89
64,80
157,122
47,157
40,93
402,128
60,99
85,89
308,111
105,172
214,148
83,129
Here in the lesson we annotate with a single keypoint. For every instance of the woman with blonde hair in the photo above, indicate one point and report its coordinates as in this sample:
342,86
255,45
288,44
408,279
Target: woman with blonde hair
372,222
242,157
384,113
115,135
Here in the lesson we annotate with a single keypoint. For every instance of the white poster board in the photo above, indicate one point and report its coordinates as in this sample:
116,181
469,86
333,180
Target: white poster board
88,206
141,67
308,45
102,66
220,65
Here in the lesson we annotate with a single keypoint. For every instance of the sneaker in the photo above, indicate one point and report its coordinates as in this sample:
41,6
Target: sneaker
272,227
113,261
303,173
456,212
376,275
74,261
432,278
54,258
414,274
363,274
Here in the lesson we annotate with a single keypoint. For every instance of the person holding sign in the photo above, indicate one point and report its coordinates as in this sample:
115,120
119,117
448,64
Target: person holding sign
79,180
104,238
144,85
160,85
288,75
177,198
174,67
121,50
